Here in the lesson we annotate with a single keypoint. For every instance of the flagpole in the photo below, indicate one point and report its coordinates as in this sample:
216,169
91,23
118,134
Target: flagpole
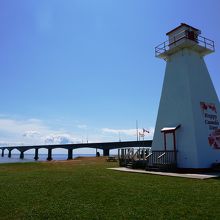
137,128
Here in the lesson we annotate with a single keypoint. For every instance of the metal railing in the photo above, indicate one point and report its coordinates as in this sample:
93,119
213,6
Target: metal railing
127,155
133,153
141,153
200,40
151,158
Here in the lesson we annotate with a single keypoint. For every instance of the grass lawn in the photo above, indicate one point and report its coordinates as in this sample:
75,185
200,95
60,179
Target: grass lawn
85,189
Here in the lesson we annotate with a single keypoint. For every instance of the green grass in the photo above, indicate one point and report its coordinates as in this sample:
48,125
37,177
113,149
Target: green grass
87,190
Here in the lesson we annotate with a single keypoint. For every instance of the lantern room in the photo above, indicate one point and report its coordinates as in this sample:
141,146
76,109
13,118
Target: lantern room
181,37
181,32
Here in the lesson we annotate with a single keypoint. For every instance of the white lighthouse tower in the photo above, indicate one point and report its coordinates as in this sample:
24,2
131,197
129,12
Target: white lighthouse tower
188,115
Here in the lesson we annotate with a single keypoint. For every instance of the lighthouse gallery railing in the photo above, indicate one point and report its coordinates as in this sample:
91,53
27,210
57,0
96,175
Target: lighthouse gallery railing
200,40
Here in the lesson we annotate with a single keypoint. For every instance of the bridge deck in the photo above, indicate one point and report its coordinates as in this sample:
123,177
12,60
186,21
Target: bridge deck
104,145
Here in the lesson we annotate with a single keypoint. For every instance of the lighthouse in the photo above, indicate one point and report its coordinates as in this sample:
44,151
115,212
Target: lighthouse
189,110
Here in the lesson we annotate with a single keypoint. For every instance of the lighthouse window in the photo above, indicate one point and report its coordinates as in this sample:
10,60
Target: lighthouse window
191,35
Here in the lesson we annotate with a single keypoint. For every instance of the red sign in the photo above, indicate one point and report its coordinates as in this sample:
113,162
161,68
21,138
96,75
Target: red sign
211,121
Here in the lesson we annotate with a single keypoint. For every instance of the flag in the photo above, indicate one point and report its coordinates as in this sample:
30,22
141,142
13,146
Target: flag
141,134
144,130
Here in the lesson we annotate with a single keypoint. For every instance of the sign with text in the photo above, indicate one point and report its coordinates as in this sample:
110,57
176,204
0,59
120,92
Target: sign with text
212,123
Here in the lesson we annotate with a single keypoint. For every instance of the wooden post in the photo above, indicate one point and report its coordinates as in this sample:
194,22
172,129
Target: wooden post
174,141
165,142
174,146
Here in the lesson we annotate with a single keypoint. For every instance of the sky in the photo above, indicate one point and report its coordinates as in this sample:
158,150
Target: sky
74,71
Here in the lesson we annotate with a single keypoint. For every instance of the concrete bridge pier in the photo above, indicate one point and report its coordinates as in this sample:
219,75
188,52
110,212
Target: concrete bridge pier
70,154
105,152
22,155
9,153
3,152
36,157
49,157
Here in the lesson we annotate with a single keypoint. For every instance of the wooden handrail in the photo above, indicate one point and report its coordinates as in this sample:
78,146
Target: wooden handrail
162,155
149,155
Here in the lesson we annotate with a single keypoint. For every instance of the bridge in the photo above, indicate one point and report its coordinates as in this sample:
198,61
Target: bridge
105,146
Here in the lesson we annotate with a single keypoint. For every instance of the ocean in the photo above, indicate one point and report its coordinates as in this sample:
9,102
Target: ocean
42,157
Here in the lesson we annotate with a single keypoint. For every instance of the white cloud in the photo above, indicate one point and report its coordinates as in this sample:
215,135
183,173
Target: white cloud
36,132
82,126
32,132
60,139
21,126
5,144
128,132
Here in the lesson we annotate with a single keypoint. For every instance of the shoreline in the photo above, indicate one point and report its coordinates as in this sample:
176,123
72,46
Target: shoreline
42,158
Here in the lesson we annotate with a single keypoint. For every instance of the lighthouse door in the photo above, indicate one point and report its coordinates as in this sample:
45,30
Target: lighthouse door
172,131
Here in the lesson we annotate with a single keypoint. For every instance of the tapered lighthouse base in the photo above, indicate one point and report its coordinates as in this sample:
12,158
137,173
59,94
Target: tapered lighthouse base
189,99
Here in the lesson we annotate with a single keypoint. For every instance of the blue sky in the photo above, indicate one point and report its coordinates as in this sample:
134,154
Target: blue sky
77,68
